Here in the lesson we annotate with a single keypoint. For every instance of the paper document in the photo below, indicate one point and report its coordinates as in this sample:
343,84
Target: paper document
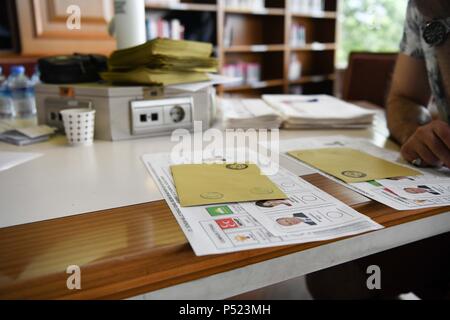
28,135
421,190
9,160
350,165
200,184
37,131
5,126
249,114
319,111
382,190
308,210
308,214
214,79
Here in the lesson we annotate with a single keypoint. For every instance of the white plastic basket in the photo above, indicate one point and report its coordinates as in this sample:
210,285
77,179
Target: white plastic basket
79,125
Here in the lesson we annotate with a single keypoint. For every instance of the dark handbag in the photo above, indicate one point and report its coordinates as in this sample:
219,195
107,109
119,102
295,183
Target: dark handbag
77,68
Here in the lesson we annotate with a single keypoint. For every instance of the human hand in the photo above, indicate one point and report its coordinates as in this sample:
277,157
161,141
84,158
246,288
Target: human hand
434,9
430,143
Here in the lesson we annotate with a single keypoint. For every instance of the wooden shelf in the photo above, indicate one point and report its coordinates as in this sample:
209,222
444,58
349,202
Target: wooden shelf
256,48
184,7
266,11
263,37
313,79
314,47
256,85
316,15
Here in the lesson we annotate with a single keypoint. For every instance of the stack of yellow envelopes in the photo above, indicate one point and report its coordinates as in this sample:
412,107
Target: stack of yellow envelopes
162,61
203,184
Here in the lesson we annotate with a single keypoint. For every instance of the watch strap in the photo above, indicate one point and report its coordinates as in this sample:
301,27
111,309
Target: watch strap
447,23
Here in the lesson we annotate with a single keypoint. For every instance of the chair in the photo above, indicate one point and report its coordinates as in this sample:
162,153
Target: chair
368,77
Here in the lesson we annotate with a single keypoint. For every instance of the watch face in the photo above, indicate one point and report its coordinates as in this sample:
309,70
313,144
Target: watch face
434,33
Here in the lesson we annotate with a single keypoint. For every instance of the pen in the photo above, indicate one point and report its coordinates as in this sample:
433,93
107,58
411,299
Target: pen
304,101
309,100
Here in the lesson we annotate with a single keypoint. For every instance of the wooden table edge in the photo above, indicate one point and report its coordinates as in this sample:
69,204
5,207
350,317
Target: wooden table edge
36,288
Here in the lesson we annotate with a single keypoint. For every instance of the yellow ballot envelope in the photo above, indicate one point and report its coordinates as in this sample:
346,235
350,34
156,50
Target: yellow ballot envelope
351,165
203,184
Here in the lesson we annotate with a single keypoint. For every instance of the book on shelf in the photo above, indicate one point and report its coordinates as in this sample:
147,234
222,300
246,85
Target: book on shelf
296,89
245,4
295,68
228,33
307,6
161,28
298,35
162,2
248,72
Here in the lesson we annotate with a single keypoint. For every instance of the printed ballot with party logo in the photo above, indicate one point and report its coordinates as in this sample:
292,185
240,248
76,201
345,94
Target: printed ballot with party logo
350,165
204,184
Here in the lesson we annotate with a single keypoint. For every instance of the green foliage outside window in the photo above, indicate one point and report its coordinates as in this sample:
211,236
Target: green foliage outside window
370,25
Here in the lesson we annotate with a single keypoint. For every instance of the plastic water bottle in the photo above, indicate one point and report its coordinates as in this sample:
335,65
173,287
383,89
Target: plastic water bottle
6,104
36,78
22,92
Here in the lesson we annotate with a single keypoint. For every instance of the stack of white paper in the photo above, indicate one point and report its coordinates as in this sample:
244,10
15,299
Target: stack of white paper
248,114
319,111
26,136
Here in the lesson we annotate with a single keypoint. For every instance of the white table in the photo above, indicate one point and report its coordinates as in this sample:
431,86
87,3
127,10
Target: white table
72,180
69,181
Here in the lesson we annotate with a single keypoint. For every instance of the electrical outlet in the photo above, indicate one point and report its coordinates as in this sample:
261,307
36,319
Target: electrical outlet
160,115
54,118
180,113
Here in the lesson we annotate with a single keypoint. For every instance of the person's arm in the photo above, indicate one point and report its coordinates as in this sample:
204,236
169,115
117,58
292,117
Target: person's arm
409,120
408,98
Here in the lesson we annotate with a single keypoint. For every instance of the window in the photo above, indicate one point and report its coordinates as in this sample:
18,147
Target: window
370,25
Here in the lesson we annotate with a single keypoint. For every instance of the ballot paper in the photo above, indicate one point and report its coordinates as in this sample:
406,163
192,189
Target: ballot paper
309,214
319,111
385,193
249,114
420,190
381,190
350,165
200,184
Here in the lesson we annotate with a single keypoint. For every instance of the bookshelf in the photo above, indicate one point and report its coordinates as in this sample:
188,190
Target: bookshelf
262,36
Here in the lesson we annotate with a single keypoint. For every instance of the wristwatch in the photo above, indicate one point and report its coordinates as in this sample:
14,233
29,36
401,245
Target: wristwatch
435,32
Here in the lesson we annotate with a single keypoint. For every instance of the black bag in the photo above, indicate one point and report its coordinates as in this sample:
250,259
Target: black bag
75,68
